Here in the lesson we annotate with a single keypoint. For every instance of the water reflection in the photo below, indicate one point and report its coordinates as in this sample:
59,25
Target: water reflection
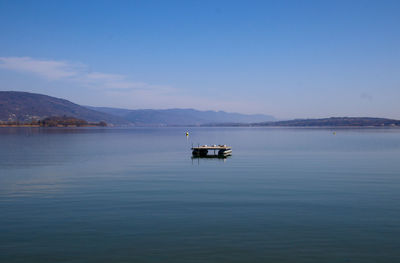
216,157
213,156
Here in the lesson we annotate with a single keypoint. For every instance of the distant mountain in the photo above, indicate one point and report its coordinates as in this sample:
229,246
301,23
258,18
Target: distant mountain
173,117
25,107
334,122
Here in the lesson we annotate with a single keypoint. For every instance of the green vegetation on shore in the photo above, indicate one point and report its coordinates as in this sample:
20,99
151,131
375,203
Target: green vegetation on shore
54,121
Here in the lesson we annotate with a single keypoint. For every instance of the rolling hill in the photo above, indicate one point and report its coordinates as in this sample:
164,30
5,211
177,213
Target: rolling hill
25,107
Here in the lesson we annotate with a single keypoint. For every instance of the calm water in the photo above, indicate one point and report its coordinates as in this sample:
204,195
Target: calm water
135,195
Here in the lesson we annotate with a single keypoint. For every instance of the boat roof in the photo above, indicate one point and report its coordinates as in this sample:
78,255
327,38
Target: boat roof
212,147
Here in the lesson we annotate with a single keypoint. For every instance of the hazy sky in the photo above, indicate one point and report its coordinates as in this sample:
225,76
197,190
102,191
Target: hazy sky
289,59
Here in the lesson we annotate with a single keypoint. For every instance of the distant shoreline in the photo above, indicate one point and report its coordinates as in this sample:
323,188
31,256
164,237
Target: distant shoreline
203,126
54,121
38,126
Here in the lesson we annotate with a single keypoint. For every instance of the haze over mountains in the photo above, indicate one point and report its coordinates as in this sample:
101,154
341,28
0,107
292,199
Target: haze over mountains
182,116
25,107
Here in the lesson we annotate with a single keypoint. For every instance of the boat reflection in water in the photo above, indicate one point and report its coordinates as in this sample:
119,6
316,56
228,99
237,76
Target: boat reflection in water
196,159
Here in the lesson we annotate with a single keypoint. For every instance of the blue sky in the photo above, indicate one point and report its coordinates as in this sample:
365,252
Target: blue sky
290,59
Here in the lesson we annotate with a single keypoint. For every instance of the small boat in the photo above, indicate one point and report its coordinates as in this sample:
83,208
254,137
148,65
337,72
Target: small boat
202,151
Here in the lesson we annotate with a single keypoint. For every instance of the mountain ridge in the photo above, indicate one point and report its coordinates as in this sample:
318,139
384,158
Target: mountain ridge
178,116
27,107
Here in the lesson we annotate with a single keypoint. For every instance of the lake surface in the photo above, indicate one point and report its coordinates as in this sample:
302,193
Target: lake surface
136,195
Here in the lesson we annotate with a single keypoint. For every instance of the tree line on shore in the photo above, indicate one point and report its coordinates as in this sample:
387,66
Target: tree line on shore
55,121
